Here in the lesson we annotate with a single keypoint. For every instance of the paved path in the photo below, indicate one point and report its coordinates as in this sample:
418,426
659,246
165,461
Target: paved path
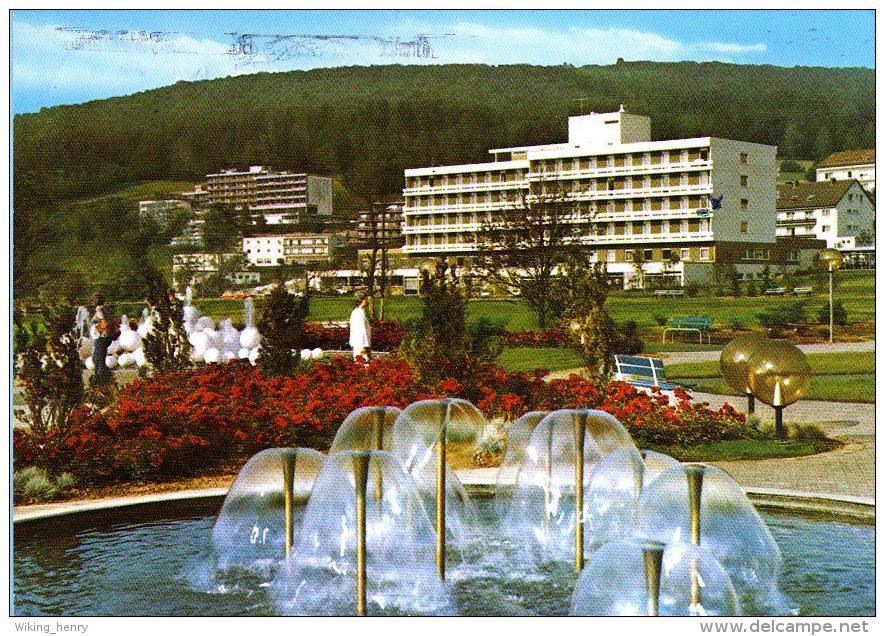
681,357
848,471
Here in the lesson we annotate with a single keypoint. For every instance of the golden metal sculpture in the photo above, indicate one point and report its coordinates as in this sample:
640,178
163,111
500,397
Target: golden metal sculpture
778,374
579,421
694,473
441,495
733,363
653,556
378,444
289,498
361,477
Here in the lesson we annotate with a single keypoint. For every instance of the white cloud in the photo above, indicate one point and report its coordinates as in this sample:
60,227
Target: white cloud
722,47
51,66
473,42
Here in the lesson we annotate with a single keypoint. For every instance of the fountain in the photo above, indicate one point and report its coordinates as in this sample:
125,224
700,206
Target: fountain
582,523
421,434
367,545
548,510
256,525
702,505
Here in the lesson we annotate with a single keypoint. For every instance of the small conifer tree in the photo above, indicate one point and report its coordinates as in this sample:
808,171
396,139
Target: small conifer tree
166,345
51,372
282,331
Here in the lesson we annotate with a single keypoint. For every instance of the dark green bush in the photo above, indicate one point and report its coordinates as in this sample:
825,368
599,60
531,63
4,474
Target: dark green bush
840,315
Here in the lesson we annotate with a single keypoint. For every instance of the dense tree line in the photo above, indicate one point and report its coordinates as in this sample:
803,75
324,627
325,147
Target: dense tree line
367,124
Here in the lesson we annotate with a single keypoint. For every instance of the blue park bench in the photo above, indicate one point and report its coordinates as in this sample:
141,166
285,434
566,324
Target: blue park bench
643,372
699,324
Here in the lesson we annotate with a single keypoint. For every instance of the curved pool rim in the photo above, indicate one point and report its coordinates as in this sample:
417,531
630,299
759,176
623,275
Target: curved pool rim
847,508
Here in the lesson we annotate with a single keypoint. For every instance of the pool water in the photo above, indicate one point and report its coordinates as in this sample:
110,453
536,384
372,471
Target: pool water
145,567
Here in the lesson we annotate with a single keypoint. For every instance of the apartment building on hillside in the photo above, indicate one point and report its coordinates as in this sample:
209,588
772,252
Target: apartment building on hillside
850,164
268,250
686,204
281,197
833,211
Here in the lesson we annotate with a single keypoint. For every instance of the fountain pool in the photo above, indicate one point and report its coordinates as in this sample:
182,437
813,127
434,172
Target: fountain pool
150,561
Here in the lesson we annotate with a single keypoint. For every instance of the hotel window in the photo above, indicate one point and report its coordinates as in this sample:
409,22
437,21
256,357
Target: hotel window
704,254
610,256
745,227
745,204
744,158
646,227
647,255
683,226
665,254
628,256
745,180
684,253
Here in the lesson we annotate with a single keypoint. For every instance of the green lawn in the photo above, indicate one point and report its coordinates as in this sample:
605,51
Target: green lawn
530,358
838,377
856,290
821,364
731,450
860,387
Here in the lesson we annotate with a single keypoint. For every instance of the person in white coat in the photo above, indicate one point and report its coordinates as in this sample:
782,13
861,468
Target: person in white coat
360,331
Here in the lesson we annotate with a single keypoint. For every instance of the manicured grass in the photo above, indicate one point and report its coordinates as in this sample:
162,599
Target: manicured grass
731,450
661,347
848,363
859,387
526,359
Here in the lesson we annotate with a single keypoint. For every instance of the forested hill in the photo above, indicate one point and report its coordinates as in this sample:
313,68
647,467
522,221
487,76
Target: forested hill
368,123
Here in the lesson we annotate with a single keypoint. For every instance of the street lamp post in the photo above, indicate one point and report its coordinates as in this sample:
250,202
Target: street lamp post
830,260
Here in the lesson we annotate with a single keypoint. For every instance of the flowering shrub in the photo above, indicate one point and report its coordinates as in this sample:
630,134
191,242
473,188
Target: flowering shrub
178,423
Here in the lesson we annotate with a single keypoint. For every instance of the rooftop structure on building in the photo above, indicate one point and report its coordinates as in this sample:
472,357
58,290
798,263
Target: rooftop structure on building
280,197
684,203
834,211
850,164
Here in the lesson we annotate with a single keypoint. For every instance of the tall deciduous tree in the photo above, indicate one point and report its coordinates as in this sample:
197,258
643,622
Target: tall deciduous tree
524,246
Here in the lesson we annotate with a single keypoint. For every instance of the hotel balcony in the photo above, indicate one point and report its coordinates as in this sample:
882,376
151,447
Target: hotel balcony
673,190
609,171
466,187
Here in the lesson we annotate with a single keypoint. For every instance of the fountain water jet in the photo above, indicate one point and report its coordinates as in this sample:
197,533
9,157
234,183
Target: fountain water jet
256,525
358,543
566,448
702,505
420,436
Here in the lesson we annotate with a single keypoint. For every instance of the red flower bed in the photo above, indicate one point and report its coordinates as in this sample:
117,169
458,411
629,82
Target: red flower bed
174,424
386,335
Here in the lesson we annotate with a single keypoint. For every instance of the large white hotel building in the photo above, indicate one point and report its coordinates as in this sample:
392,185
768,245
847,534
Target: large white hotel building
638,194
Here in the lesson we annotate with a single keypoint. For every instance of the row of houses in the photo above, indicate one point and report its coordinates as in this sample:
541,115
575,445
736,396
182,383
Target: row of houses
679,207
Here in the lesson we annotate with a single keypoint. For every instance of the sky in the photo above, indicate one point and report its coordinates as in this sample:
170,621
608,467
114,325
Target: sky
73,56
